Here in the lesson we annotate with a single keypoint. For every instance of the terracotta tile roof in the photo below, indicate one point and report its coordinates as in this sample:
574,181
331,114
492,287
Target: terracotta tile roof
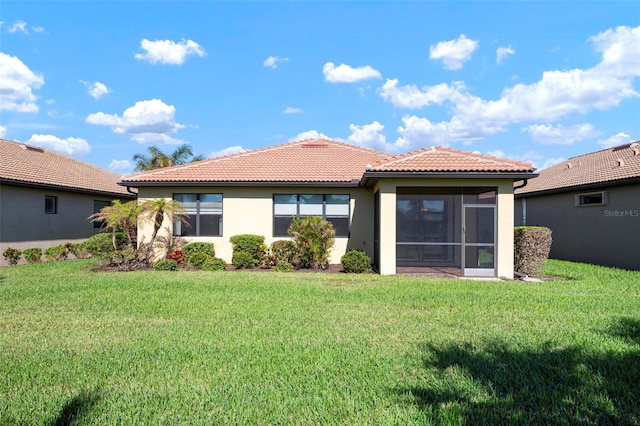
26,164
439,159
609,165
311,160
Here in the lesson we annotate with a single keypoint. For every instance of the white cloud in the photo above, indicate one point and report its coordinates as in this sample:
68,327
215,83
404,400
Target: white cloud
615,140
152,116
156,139
68,146
17,83
552,162
96,90
454,53
346,74
38,29
18,26
309,134
370,136
620,50
3,131
121,166
292,110
420,131
503,52
227,151
168,51
273,61
561,135
412,97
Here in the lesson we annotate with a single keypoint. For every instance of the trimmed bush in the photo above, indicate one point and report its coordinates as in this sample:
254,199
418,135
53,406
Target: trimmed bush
177,255
124,257
199,247
313,238
356,262
79,250
165,265
197,259
284,251
243,260
252,244
532,245
32,255
12,256
283,266
56,253
102,243
214,264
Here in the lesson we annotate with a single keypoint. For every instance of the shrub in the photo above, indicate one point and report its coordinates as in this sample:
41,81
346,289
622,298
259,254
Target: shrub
531,248
356,261
199,247
283,266
12,256
177,255
313,238
214,264
124,257
196,259
283,251
252,244
243,260
32,255
56,253
102,243
165,265
79,250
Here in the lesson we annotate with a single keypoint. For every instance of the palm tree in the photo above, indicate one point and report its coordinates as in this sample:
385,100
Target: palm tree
156,210
120,216
157,158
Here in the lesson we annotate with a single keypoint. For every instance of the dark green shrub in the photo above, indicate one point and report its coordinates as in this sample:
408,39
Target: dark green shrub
532,245
126,257
283,266
199,247
243,260
249,243
56,253
356,261
12,256
178,255
79,250
214,264
313,238
102,243
32,255
165,265
197,259
283,251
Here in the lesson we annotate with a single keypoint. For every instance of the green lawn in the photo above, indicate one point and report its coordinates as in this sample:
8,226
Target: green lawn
80,347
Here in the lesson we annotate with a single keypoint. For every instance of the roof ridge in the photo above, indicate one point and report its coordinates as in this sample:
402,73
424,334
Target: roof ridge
611,149
497,160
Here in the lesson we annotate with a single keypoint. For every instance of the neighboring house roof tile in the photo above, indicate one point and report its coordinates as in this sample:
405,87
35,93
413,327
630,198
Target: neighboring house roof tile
311,160
439,159
30,165
609,165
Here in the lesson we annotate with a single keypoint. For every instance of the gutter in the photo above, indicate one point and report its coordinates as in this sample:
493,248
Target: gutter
524,183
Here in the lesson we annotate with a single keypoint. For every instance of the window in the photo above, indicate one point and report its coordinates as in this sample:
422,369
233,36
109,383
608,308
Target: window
592,199
333,208
203,215
50,204
97,206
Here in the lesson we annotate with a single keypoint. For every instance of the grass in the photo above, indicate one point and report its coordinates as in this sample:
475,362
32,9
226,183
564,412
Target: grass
79,347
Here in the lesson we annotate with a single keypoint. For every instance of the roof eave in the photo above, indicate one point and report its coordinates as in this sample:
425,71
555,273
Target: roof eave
369,178
332,184
64,188
583,187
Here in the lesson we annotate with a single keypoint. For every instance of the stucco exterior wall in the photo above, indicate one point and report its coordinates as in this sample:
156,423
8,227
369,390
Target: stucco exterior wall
504,212
606,235
249,210
24,224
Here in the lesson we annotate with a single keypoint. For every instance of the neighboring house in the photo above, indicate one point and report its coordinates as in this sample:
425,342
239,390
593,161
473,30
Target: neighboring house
592,205
46,197
438,209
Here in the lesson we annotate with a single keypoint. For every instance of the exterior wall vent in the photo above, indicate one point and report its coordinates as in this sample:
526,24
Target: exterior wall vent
569,166
619,162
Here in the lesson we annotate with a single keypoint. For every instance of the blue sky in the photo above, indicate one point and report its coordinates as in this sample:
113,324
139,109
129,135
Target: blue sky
534,81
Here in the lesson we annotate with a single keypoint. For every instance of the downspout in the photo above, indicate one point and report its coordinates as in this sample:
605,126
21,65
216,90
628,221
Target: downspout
524,183
130,191
524,202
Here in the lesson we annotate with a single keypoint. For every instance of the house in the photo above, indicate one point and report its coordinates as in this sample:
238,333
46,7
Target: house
435,208
46,197
592,205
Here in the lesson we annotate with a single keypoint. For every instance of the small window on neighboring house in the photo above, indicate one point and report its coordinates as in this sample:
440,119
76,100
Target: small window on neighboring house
50,204
591,199
97,206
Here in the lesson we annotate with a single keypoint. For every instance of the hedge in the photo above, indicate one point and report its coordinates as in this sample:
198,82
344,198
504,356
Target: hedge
531,248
